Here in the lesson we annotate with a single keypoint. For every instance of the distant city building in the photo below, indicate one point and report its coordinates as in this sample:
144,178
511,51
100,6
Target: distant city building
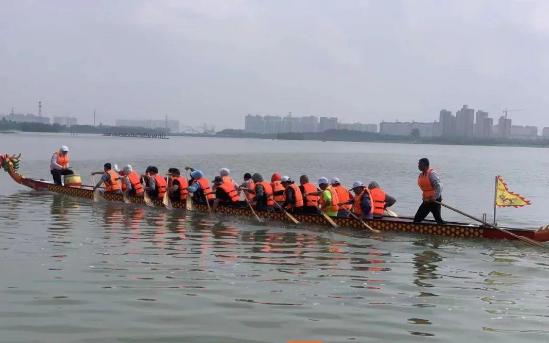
255,124
327,123
290,124
503,129
465,122
545,132
308,124
271,125
66,121
27,118
358,127
483,128
170,125
406,128
525,132
447,124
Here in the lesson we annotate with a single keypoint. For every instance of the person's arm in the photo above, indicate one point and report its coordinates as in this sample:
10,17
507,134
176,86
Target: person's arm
289,197
389,201
193,187
152,184
327,197
129,185
54,164
366,206
437,185
104,179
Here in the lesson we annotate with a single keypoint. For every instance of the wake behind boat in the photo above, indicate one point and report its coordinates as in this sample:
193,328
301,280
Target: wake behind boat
10,164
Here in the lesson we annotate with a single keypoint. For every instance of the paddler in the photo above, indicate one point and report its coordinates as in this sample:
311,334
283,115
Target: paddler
110,179
431,188
59,164
200,188
329,202
380,199
225,193
310,197
278,189
178,186
293,202
247,184
262,192
344,197
131,182
362,205
157,184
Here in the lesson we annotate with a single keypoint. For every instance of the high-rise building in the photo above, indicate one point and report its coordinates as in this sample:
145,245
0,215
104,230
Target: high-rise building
503,129
290,124
447,124
524,132
308,124
272,124
254,124
327,123
406,128
480,122
465,122
545,132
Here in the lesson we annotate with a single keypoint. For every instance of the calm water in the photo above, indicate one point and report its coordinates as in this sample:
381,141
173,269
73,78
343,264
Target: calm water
76,271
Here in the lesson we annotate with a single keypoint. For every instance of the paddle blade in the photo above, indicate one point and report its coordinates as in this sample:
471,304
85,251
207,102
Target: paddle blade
189,203
330,220
167,201
147,200
390,213
97,195
126,198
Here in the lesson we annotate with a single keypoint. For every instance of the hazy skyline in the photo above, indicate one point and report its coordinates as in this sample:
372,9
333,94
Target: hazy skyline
216,61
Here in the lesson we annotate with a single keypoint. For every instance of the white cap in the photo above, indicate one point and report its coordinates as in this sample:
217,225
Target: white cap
128,168
323,181
64,148
335,180
224,171
357,184
285,178
115,167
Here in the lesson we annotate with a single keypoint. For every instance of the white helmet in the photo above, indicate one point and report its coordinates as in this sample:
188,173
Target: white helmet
64,148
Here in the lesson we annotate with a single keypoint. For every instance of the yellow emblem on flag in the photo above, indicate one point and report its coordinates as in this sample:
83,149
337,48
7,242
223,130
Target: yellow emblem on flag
506,198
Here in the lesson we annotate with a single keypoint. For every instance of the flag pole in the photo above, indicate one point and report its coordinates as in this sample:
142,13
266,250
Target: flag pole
495,199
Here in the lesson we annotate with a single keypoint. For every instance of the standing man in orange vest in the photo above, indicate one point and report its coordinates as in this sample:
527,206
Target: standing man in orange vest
431,187
59,164
380,199
110,179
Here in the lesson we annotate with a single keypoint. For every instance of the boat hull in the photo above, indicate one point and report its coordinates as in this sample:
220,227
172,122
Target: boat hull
459,230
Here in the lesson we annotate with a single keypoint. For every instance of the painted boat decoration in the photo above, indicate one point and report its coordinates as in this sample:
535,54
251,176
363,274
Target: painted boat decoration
10,163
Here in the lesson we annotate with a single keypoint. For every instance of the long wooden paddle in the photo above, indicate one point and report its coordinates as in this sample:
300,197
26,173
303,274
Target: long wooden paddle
327,217
126,198
146,197
166,199
292,218
363,223
253,211
524,239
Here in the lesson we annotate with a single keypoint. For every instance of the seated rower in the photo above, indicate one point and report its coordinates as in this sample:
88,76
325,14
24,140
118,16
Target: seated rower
200,188
178,186
225,193
110,179
293,202
247,184
344,197
278,189
156,183
59,164
131,182
310,197
262,193
380,199
362,205
328,198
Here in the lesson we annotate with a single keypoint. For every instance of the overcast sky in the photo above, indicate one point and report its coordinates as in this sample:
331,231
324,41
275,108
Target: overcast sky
216,61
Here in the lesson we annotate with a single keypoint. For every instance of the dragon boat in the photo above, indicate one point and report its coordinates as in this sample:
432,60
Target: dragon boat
11,163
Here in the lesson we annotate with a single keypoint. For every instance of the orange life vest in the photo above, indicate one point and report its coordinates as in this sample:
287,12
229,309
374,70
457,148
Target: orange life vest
135,181
251,186
230,190
297,196
62,160
277,187
357,206
113,184
343,196
268,192
204,184
161,185
332,206
310,199
424,183
183,187
377,197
